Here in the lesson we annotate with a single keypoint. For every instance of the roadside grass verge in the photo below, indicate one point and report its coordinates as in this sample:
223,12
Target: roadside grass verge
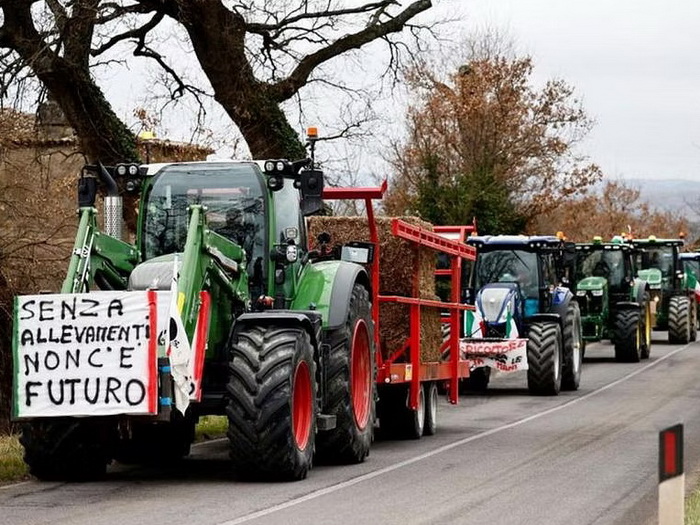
692,508
12,466
210,427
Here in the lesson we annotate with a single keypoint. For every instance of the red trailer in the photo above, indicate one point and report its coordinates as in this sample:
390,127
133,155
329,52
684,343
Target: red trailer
408,385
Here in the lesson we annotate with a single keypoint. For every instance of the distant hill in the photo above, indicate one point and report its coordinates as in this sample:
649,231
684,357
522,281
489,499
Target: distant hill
672,195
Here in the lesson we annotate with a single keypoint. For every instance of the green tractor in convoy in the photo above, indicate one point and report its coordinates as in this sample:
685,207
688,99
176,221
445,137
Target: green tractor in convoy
691,267
276,337
614,304
673,301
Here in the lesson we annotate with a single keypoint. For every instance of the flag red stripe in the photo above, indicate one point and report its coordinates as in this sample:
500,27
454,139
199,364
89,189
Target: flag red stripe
152,352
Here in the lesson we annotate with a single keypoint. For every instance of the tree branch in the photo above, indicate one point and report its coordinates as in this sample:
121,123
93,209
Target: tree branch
286,88
138,33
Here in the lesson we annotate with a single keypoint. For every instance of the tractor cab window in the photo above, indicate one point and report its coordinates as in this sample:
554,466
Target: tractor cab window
233,198
659,257
609,264
509,266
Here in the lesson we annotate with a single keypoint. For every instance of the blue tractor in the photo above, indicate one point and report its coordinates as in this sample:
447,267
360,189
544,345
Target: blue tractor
523,316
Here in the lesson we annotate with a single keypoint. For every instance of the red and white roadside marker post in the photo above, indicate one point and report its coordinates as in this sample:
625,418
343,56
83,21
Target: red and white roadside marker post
671,476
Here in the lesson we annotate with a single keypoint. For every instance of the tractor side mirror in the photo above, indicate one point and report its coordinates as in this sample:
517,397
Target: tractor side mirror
87,191
310,183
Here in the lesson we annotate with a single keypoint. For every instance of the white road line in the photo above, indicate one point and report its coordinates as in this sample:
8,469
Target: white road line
13,485
370,475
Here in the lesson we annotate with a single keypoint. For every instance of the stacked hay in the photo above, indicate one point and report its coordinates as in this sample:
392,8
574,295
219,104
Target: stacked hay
399,260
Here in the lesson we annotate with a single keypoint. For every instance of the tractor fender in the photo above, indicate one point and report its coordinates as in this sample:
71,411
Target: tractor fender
326,287
560,301
308,320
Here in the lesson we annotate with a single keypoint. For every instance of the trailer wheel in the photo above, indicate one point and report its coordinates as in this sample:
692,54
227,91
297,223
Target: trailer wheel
66,449
628,336
679,319
350,387
396,420
272,403
544,358
431,408
573,348
646,328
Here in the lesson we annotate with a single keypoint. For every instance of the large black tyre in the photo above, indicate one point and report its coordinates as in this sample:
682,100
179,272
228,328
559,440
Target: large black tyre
573,348
350,386
478,380
628,336
679,319
272,403
646,327
157,443
67,449
544,358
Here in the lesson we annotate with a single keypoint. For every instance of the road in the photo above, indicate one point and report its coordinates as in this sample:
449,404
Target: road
585,457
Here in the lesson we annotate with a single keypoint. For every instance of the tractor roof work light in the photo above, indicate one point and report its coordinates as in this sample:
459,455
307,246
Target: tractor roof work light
312,133
652,238
597,239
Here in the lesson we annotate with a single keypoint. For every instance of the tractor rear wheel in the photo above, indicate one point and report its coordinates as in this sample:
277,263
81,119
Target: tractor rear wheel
573,348
66,449
646,327
679,319
628,336
272,403
544,358
350,387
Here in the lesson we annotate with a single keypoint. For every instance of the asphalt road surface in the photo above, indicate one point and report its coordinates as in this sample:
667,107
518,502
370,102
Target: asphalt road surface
585,457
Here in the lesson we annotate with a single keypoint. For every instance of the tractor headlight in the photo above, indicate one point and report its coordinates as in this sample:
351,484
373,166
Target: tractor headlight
292,253
596,293
269,166
581,293
133,170
121,170
280,165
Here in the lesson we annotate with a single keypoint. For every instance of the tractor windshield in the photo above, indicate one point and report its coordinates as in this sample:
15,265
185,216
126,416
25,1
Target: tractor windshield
231,193
659,257
509,266
609,264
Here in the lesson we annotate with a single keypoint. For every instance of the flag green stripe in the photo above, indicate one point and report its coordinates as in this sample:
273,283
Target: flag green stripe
15,357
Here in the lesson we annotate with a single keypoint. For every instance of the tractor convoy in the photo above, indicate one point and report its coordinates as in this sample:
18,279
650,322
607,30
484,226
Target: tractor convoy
220,301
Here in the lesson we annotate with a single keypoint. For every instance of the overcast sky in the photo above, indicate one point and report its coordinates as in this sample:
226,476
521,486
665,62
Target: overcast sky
636,64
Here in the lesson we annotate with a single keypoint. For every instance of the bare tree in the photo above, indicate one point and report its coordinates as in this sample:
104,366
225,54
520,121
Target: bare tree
256,54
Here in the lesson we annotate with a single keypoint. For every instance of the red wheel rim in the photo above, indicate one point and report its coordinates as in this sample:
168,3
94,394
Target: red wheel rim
301,407
360,374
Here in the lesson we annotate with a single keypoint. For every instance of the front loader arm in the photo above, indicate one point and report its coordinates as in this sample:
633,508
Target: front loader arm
97,257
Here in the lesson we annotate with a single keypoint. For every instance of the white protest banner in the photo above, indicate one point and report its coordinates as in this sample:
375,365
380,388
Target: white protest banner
85,354
508,355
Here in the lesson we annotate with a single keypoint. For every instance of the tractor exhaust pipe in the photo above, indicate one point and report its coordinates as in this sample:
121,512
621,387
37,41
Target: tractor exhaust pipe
113,211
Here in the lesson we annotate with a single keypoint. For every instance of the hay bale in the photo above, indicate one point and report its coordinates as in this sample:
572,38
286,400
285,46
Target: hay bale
399,260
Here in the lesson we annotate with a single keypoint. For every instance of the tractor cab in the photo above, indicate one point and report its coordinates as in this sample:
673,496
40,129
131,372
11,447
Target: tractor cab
530,264
658,263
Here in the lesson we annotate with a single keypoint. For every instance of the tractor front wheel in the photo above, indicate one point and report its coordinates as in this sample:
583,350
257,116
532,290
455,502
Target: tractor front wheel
350,387
544,358
573,348
679,327
67,449
272,403
628,336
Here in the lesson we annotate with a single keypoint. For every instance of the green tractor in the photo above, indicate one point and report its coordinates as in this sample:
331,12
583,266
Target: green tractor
691,267
673,302
614,305
241,320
